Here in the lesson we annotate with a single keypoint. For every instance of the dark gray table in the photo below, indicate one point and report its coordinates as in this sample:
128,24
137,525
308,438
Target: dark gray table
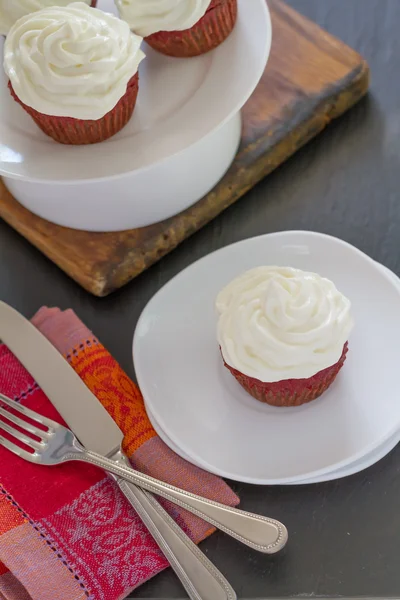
344,535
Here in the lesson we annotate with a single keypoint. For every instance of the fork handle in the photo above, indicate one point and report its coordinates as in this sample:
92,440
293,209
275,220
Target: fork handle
200,578
260,533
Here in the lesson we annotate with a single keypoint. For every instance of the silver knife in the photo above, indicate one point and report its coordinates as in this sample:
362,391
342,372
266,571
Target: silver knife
97,431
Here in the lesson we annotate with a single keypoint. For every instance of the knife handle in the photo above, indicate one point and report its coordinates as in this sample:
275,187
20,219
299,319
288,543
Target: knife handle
200,578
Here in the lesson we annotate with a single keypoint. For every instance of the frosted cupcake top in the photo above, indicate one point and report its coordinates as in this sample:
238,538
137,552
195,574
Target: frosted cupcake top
12,10
150,16
72,61
280,323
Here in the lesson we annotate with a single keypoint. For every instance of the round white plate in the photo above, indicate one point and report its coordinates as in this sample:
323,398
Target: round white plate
180,102
355,467
207,415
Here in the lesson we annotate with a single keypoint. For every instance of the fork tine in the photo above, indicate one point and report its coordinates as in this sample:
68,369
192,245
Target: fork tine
29,413
23,424
17,450
33,444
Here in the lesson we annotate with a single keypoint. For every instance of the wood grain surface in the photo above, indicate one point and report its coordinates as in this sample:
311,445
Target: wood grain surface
311,78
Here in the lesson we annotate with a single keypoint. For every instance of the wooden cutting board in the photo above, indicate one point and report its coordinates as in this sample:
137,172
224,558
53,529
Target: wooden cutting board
311,78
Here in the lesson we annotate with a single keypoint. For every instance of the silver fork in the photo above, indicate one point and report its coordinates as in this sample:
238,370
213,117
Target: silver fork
57,445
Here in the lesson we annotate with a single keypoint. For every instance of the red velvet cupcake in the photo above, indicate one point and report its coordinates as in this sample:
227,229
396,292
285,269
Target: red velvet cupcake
283,333
81,91
181,28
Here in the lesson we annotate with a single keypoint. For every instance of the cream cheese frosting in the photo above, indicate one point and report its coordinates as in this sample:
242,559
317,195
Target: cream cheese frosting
146,17
72,61
279,323
12,10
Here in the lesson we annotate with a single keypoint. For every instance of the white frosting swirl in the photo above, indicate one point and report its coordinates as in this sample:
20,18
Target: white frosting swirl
73,61
150,16
12,10
279,323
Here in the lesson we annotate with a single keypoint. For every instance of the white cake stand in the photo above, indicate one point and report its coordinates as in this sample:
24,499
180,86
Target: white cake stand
181,140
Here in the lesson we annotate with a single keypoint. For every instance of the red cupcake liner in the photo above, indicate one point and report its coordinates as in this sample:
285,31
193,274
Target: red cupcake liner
77,132
94,3
290,392
207,34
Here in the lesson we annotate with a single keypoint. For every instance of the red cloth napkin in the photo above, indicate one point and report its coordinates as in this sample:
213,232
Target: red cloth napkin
66,532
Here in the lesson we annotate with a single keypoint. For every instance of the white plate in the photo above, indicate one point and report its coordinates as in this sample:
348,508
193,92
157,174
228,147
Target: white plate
180,102
207,415
355,467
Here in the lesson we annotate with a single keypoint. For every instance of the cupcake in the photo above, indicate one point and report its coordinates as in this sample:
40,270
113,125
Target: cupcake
181,28
283,333
12,10
74,69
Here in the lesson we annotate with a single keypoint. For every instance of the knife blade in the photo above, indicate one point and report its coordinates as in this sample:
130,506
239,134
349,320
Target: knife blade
88,419
97,431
